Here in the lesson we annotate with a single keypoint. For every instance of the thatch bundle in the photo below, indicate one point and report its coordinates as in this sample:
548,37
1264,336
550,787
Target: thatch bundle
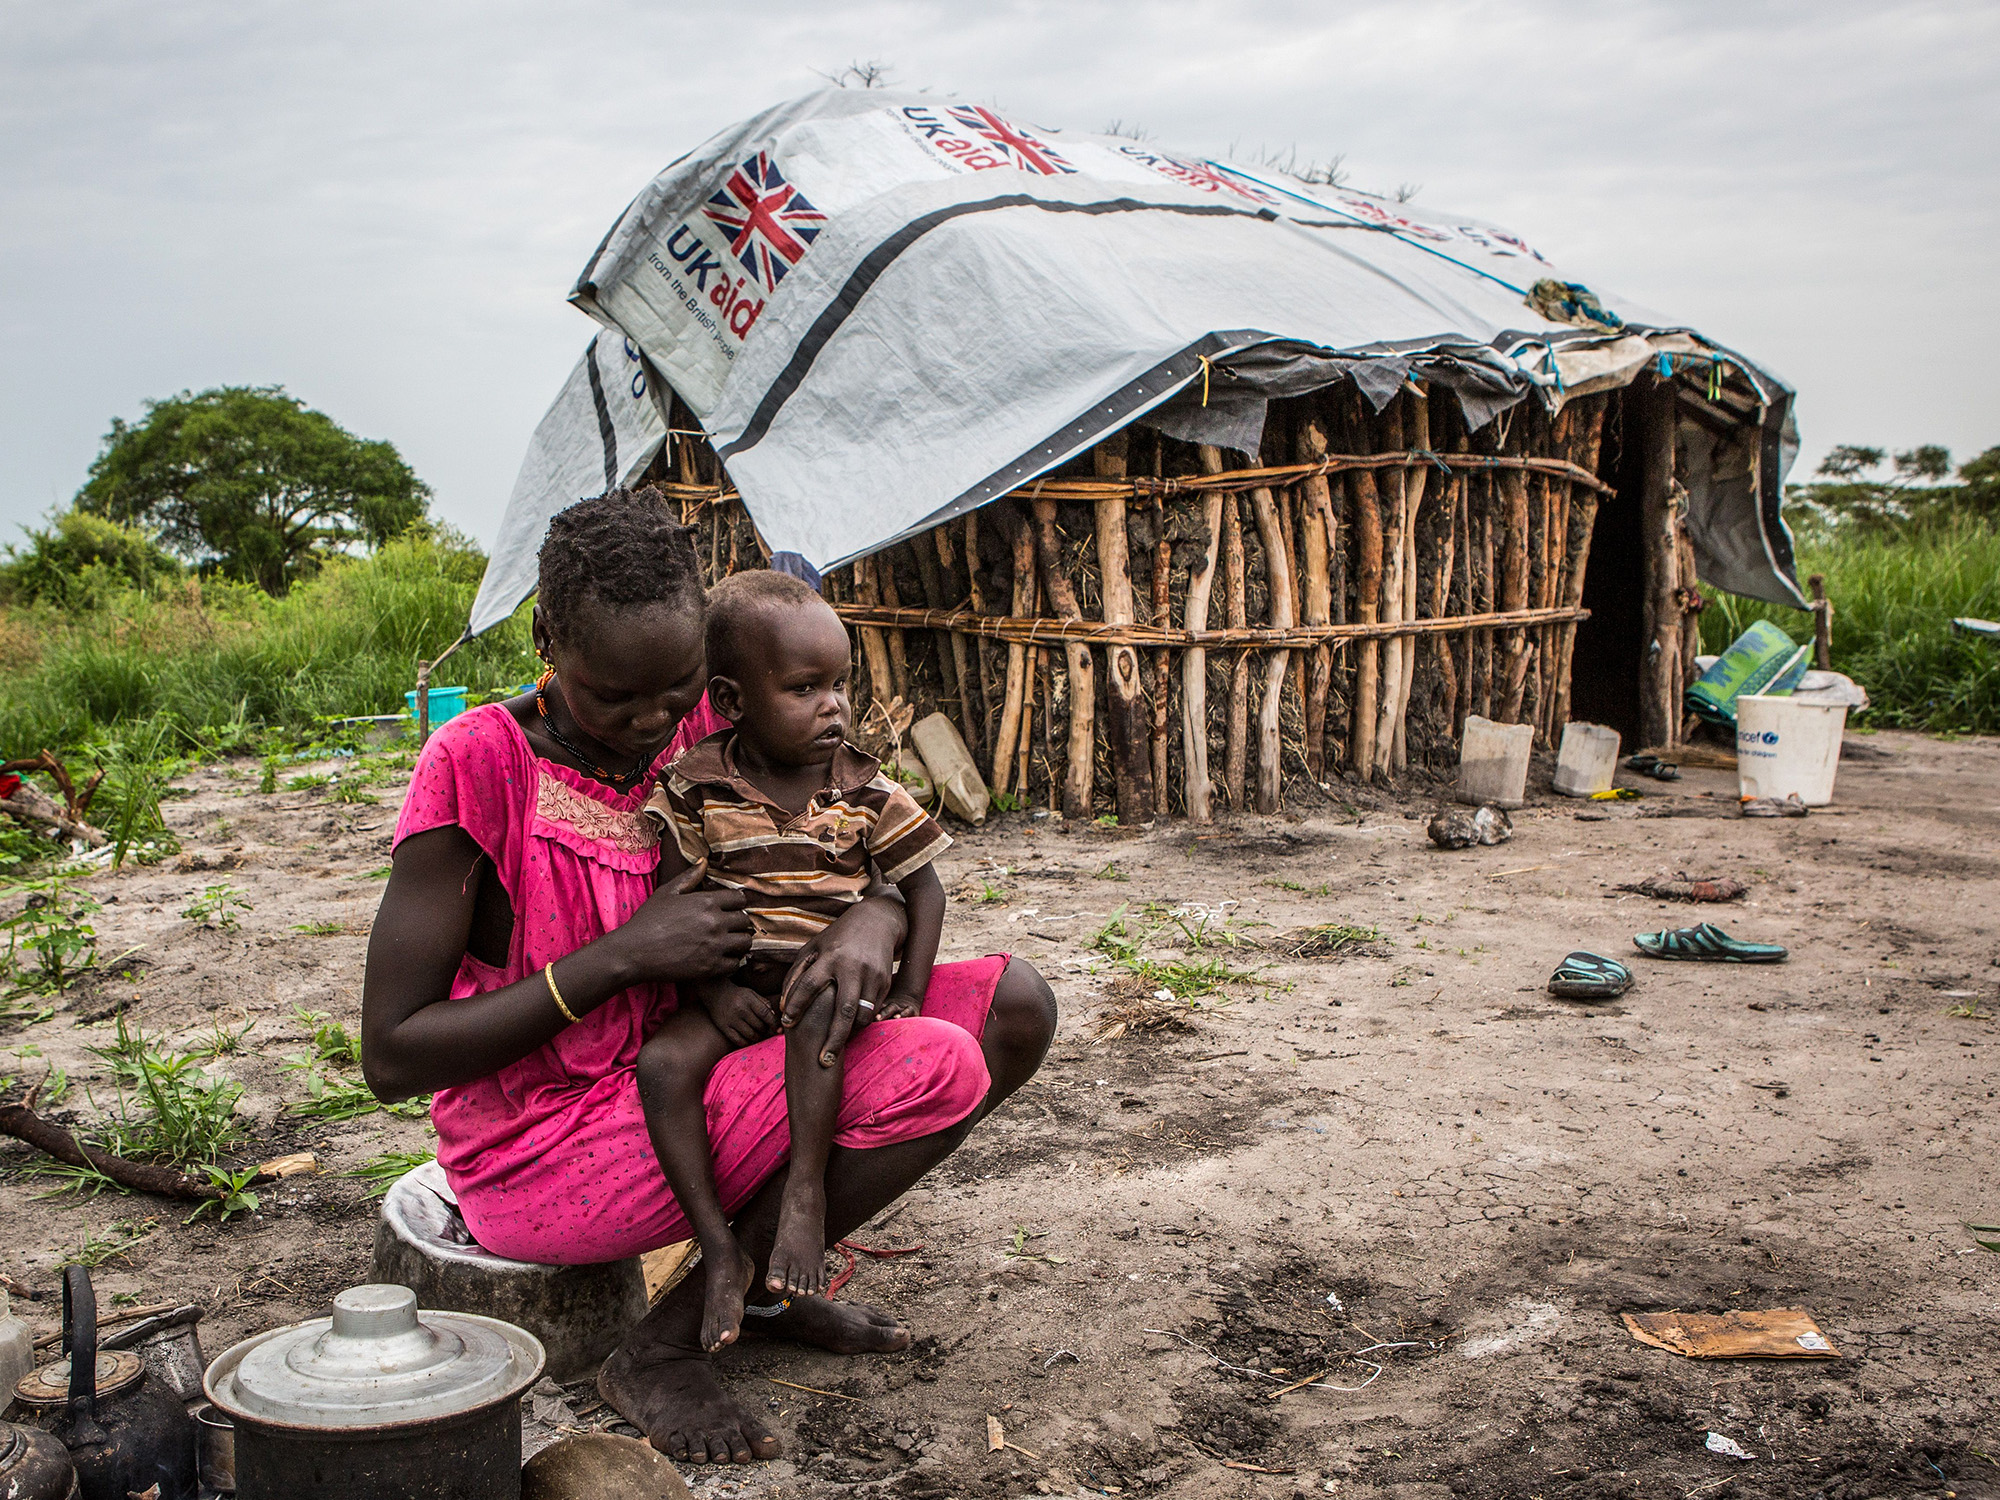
1158,625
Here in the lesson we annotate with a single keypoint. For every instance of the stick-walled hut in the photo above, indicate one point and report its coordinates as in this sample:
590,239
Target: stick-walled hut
1166,478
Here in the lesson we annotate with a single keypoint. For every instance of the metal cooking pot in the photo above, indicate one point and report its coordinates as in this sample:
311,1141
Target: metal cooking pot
125,1433
34,1465
215,1449
378,1403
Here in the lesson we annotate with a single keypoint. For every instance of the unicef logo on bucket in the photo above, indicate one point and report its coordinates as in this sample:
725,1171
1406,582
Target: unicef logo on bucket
1748,738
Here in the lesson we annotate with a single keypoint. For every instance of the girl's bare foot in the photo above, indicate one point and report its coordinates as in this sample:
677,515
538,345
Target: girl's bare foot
730,1273
670,1394
798,1254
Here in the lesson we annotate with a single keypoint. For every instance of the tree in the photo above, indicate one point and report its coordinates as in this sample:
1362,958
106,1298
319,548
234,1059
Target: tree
1981,477
1917,491
78,556
251,482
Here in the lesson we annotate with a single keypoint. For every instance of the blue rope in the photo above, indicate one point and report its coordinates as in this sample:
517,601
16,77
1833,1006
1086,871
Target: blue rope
1365,224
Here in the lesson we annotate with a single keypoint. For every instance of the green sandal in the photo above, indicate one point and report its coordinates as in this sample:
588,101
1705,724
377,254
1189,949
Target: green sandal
1589,976
1707,943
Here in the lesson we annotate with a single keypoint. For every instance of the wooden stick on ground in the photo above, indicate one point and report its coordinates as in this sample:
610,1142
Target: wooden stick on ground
1125,695
1194,660
1077,773
23,1124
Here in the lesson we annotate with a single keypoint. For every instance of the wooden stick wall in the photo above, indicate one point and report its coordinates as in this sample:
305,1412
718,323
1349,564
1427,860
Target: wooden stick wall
1159,628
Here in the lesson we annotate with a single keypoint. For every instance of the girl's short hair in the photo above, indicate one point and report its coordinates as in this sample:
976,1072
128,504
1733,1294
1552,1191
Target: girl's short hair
621,549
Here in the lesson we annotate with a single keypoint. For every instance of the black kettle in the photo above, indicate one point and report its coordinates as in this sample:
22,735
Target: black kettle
131,1435
34,1466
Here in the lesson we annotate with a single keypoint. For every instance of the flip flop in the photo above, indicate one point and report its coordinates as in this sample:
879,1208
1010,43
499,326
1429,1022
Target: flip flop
1709,943
1653,766
1589,976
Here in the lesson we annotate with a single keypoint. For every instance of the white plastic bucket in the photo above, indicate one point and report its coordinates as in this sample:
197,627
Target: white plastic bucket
1587,761
1785,747
1493,762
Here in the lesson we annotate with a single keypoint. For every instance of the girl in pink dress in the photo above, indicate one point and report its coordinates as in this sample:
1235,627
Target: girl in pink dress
522,958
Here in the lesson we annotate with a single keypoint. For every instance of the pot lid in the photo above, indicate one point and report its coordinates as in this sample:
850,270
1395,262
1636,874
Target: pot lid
374,1364
49,1386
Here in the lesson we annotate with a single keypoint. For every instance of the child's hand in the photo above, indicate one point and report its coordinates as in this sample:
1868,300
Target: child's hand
739,1013
895,1007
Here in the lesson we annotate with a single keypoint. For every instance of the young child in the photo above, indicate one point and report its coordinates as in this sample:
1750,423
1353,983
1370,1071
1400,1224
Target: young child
783,809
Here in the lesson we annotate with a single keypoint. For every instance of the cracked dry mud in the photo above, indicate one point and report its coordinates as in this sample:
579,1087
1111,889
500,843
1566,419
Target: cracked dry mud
1471,1169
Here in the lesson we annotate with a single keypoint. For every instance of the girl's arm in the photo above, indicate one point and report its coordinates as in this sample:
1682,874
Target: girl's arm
413,1045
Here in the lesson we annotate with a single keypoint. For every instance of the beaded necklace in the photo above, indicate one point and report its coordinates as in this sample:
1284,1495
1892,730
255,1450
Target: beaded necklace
619,781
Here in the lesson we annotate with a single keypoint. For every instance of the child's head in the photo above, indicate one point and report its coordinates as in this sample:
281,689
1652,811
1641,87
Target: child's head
778,662
620,618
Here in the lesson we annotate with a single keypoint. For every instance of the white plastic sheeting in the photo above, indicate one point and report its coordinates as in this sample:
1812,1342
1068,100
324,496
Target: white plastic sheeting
604,428
887,309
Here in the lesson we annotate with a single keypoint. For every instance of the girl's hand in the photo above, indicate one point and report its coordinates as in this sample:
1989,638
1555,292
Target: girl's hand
684,933
855,958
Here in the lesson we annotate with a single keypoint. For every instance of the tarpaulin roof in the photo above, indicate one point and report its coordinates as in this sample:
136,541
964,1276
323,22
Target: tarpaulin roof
886,309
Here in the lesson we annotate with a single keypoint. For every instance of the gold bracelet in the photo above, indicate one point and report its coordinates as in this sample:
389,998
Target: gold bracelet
549,974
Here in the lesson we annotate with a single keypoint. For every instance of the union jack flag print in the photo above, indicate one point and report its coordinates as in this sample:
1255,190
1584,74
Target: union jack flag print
1213,179
1021,149
768,221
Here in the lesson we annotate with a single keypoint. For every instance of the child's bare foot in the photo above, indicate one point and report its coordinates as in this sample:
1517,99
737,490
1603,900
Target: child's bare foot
730,1273
798,1255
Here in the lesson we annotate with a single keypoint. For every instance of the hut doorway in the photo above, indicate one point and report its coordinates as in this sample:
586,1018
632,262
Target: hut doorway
1608,667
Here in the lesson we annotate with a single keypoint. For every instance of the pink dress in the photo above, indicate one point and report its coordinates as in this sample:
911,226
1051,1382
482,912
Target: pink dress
549,1156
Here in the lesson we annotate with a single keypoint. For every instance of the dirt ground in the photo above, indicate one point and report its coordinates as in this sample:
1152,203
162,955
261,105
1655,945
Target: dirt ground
1409,1146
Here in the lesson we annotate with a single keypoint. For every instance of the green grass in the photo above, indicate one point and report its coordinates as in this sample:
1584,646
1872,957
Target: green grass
331,1041
218,666
329,1097
380,1172
217,906
1894,599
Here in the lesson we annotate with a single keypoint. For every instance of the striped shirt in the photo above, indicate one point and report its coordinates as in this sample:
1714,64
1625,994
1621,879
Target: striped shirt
798,873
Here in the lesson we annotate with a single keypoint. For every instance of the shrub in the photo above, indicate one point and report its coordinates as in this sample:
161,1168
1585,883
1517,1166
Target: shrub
208,659
81,560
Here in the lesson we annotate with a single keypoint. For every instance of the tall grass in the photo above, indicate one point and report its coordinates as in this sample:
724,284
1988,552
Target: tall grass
213,664
1894,599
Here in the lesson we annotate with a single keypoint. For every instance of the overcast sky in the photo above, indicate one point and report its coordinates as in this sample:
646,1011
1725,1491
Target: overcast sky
381,206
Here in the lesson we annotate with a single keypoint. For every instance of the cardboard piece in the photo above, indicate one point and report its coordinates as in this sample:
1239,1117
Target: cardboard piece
1782,1333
